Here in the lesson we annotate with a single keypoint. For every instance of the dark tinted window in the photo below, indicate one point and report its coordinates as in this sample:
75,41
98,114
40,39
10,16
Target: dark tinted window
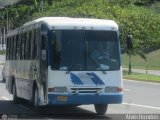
7,49
68,50
34,52
102,50
85,50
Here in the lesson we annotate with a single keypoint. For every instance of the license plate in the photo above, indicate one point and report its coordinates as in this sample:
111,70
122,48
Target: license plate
62,98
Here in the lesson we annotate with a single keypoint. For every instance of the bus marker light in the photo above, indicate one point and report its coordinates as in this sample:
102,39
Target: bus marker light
50,89
58,90
111,89
120,89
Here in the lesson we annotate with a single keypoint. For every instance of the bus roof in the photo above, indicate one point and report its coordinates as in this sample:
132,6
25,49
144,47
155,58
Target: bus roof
66,23
76,23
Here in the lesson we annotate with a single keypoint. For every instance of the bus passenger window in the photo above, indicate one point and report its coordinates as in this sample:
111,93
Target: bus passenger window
20,46
22,42
23,45
14,47
26,46
34,52
17,47
11,48
29,46
7,50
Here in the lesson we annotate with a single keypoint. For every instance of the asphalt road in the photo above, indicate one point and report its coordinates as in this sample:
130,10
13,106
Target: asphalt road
139,98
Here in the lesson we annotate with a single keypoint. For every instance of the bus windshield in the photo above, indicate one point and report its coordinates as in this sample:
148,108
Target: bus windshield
80,50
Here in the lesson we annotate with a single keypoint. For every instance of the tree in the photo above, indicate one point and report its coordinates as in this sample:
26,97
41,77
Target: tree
129,43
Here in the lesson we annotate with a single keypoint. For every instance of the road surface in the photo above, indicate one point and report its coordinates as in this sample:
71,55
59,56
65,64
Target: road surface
139,98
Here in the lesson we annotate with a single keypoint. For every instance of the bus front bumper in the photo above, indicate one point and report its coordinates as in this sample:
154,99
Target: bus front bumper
73,99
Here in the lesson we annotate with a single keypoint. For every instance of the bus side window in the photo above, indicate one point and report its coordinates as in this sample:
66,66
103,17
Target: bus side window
38,40
11,46
7,49
14,47
23,45
20,46
26,46
29,46
34,44
17,47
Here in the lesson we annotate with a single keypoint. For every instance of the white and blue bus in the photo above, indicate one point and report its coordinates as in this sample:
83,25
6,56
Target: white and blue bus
65,61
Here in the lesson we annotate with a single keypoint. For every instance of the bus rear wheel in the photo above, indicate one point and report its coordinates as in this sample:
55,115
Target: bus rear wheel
35,97
15,98
101,108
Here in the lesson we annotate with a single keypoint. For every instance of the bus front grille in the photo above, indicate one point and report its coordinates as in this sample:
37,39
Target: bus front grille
85,90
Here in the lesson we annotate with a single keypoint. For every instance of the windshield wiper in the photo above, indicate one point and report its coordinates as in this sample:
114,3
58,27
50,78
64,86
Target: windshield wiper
96,63
69,69
103,71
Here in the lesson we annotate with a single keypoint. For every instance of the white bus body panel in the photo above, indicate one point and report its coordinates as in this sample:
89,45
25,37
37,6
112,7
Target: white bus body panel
84,87
62,79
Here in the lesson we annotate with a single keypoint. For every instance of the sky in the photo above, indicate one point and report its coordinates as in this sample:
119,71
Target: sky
6,2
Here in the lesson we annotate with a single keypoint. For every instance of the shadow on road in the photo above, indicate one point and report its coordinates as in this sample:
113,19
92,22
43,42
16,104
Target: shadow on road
25,110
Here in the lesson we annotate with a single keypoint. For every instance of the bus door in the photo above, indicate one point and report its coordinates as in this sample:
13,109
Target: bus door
43,57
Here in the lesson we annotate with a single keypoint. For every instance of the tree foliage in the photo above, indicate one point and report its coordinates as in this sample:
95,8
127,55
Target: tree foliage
131,15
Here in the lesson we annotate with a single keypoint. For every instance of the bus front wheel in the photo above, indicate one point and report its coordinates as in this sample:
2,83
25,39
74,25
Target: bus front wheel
101,108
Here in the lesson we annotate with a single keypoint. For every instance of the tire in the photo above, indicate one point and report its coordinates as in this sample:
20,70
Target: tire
101,108
4,80
35,98
15,98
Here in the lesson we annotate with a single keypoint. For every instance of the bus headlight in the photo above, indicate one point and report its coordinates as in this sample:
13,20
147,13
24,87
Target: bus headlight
111,89
58,90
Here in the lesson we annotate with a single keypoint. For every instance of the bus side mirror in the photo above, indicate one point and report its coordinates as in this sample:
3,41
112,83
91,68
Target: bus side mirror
129,41
120,33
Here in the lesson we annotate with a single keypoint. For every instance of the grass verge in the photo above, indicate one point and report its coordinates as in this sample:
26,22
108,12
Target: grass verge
153,61
142,77
2,52
1,63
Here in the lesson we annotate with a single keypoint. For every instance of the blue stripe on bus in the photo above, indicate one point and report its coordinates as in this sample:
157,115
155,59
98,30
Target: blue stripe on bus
84,99
93,77
75,80
96,80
